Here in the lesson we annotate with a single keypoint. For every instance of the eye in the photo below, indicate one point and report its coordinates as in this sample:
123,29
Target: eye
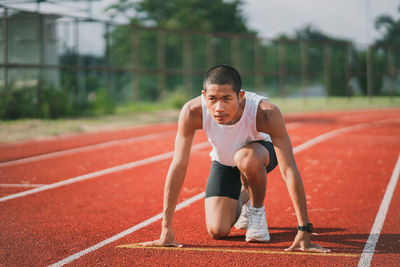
227,99
211,99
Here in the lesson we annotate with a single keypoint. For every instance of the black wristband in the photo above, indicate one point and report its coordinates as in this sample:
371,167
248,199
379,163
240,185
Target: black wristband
307,228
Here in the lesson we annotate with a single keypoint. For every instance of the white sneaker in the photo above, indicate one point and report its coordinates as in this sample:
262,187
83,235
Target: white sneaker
243,219
257,229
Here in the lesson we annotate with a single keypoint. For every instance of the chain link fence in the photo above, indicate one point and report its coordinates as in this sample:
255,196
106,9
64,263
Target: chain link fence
55,65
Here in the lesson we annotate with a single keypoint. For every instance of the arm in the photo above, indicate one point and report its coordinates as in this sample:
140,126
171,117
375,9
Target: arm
189,121
274,124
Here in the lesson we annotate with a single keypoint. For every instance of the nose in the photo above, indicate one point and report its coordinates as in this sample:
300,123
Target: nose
219,106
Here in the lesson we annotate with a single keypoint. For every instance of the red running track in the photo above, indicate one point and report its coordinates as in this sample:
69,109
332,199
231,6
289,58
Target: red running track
345,175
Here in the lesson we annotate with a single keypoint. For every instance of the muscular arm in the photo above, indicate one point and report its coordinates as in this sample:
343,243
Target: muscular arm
177,170
270,120
190,119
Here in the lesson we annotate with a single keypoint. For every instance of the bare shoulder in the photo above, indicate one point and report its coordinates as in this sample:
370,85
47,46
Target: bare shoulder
191,115
269,118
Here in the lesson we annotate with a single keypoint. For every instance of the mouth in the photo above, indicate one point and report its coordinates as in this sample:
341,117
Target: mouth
220,118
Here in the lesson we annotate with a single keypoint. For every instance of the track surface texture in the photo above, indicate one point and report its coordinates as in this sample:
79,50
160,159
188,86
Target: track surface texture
88,199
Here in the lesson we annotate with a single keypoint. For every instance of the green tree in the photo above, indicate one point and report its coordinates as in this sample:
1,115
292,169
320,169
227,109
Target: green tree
164,49
206,15
317,40
391,29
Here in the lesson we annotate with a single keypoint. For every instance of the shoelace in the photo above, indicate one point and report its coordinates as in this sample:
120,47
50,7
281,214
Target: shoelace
256,218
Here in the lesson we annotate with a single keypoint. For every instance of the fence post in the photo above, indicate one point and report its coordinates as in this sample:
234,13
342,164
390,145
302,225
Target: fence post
304,68
391,71
369,72
347,69
76,48
258,61
187,62
39,93
327,68
210,51
282,68
161,63
107,56
136,62
5,49
235,53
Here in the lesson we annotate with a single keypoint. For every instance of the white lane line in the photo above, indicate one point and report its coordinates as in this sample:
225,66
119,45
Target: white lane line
84,149
99,173
97,146
330,134
21,185
126,232
193,199
369,249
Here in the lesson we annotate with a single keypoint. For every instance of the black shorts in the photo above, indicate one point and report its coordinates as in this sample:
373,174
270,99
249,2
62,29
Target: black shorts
225,180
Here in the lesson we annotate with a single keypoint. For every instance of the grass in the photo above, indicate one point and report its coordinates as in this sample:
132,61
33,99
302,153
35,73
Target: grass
334,103
139,114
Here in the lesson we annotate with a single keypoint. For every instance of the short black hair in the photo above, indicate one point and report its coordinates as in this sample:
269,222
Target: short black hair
223,74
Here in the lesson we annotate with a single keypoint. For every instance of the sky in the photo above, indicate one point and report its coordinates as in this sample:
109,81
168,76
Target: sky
348,19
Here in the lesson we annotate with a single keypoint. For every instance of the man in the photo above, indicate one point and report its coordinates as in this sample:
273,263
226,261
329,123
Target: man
241,127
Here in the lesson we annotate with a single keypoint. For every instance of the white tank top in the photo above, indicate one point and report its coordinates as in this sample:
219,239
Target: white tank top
227,139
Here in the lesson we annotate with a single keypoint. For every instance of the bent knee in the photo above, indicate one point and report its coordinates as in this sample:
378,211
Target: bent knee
218,232
249,159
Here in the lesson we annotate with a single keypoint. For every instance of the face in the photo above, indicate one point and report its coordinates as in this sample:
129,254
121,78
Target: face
223,103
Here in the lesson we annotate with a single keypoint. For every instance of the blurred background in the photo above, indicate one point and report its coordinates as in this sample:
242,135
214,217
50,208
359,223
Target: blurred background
65,58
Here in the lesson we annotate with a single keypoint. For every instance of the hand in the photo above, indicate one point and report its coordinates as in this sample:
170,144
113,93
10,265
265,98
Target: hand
167,239
302,242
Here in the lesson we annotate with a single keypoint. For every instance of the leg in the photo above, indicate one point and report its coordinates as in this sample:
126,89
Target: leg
221,203
221,214
252,160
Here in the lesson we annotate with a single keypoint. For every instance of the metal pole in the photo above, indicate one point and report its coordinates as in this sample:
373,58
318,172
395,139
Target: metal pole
76,50
41,59
136,63
210,51
327,69
187,62
391,71
161,63
5,49
347,69
235,53
258,60
107,56
304,68
369,72
282,68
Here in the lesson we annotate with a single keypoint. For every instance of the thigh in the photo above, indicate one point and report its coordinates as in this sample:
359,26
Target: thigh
223,181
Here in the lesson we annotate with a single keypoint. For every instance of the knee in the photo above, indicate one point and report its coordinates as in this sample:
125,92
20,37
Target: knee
247,159
218,232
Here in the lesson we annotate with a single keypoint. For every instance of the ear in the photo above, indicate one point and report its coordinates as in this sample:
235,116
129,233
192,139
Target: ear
241,95
203,92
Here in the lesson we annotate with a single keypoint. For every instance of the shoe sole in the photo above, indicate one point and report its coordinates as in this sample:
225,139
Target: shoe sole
254,240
